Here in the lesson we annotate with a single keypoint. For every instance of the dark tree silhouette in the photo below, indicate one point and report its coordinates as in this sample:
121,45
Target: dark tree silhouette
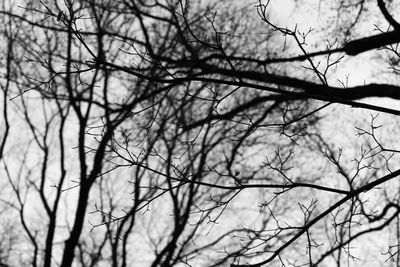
195,133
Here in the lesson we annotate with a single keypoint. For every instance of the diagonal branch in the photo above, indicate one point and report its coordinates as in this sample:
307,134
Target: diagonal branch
388,17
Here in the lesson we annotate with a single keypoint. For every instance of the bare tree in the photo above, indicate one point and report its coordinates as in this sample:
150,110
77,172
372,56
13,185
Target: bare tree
198,133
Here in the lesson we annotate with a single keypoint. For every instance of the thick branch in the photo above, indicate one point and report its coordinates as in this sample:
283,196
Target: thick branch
388,17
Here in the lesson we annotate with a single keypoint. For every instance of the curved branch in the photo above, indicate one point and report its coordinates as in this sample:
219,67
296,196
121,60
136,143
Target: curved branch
388,17
306,227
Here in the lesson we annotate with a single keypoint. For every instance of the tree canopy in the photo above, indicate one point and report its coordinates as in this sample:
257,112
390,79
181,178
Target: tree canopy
199,133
